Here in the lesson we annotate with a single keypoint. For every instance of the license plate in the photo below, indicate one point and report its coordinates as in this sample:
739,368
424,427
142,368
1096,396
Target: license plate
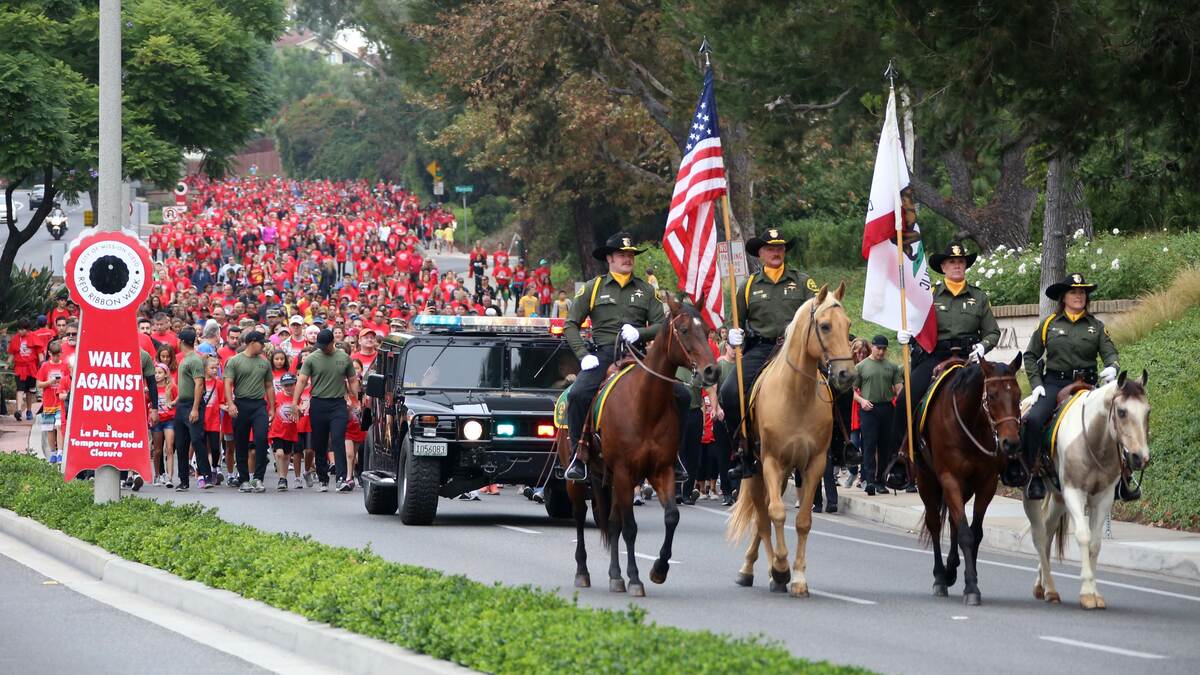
429,449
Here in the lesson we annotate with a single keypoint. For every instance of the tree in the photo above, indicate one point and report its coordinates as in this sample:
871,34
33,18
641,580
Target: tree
194,79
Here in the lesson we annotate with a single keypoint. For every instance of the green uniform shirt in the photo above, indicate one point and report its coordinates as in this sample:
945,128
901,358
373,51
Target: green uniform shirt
685,375
967,316
766,307
727,369
610,306
190,368
251,375
875,380
328,373
147,363
1069,345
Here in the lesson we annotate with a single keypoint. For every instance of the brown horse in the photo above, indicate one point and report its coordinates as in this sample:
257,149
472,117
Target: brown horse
792,417
639,432
973,427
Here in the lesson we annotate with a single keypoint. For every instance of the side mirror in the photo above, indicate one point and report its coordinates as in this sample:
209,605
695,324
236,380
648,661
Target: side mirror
375,388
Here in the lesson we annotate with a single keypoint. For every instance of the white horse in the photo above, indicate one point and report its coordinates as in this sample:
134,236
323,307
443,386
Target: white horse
1103,429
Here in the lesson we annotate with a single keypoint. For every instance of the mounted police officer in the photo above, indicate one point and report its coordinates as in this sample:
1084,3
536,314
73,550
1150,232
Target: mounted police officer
766,302
965,323
619,304
1062,350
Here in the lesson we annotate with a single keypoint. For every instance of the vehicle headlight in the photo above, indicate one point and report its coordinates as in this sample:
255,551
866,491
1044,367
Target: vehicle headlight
472,430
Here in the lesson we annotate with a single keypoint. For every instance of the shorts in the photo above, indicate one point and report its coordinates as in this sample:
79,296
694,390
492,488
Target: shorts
28,384
302,440
227,437
282,445
50,419
168,425
504,292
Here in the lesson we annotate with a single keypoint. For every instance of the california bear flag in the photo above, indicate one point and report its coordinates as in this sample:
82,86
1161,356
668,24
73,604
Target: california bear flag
892,209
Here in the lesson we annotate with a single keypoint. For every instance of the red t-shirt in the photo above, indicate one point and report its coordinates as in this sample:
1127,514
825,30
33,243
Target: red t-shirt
283,424
25,350
47,373
214,398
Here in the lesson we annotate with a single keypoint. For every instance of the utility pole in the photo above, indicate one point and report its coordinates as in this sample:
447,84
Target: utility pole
110,211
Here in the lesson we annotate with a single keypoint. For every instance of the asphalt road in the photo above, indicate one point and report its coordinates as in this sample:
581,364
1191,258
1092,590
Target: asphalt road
871,603
45,627
37,251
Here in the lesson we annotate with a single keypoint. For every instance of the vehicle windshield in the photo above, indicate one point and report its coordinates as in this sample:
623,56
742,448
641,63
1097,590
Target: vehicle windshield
541,367
454,366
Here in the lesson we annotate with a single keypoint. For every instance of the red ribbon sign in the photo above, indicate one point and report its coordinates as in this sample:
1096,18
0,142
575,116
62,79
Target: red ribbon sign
108,275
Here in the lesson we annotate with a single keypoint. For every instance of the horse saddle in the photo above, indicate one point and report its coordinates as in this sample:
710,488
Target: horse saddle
1076,391
940,374
1071,389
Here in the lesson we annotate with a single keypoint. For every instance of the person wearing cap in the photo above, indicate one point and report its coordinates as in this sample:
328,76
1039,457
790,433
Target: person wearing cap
284,432
766,302
1064,348
331,374
876,383
368,348
295,341
966,326
189,414
619,305
250,396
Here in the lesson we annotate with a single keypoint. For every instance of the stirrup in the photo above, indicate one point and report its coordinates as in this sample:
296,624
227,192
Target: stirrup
576,471
1036,489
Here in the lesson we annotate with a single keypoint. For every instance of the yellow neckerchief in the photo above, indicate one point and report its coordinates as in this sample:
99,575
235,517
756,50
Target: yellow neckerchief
621,279
955,287
1074,317
773,273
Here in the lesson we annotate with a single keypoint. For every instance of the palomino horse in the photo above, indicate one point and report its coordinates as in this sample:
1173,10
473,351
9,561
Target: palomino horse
792,418
639,432
1102,431
973,427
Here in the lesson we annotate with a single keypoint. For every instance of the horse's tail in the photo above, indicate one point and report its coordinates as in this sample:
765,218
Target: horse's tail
745,508
1060,535
926,537
601,504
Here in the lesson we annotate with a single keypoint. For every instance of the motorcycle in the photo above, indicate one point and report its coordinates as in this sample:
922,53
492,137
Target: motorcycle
56,223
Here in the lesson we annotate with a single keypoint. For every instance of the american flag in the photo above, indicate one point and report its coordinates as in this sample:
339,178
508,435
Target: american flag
690,239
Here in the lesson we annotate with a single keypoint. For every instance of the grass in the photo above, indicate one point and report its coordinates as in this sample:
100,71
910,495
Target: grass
1157,308
492,628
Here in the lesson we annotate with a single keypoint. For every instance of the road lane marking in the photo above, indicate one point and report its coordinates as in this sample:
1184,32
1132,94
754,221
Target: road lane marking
1101,648
522,530
1023,568
843,598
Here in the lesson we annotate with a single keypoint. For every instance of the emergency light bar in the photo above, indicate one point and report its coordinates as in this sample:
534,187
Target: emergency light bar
494,324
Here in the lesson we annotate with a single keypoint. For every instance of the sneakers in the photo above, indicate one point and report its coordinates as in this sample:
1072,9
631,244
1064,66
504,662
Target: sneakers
345,485
472,496
323,486
245,487
299,484
233,481
167,482
28,416
727,500
257,485
281,486
203,484
182,487
310,478
637,500
576,470
136,483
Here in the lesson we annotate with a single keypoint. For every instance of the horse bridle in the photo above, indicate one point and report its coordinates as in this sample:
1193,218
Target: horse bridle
670,337
1122,452
825,367
987,410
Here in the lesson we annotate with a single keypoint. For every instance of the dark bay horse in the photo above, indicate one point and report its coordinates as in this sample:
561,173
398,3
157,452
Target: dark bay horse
972,428
639,432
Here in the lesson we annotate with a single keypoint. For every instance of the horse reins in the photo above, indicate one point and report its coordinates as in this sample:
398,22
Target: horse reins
826,365
638,360
986,411
1122,453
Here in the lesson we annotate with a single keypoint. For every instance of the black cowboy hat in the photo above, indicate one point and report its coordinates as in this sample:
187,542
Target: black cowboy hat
954,250
621,241
770,236
1056,291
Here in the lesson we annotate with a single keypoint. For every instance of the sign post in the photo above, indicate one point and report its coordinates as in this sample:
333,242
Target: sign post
464,190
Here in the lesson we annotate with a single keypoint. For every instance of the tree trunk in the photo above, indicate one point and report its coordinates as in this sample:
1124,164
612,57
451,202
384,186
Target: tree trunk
17,236
740,174
1066,213
585,239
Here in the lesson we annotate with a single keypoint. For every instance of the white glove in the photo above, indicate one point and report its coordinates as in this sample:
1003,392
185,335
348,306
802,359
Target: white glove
903,337
588,362
629,333
1038,392
1108,374
978,350
736,337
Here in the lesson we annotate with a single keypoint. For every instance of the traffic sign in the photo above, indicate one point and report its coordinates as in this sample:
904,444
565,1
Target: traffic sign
740,270
439,188
464,188
171,214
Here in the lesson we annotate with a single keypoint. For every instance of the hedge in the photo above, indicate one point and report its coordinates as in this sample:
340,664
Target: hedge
494,628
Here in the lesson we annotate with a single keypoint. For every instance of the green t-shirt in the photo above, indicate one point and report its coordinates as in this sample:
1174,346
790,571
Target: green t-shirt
251,375
147,363
875,380
190,368
328,373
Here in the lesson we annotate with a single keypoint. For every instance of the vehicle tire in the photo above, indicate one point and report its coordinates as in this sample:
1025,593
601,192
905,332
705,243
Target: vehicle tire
558,502
378,500
417,487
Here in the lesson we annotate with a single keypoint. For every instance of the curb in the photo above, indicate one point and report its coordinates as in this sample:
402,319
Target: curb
1118,554
296,634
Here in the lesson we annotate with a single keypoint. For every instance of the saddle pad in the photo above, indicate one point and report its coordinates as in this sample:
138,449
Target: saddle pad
602,396
1056,420
560,409
754,394
923,406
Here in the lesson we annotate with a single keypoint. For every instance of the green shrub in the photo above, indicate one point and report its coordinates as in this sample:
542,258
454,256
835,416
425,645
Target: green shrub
492,628
26,294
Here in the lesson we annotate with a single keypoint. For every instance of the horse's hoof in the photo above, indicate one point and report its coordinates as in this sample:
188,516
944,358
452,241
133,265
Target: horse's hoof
971,599
1054,598
616,585
583,581
781,577
744,580
658,573
940,590
798,590
637,590
1088,601
777,587
1039,592
1100,604
951,578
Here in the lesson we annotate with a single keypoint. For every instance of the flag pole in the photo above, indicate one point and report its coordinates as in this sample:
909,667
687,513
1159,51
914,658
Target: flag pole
890,74
737,351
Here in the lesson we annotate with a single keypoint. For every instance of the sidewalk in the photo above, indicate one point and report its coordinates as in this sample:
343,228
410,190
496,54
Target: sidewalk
1132,546
17,436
